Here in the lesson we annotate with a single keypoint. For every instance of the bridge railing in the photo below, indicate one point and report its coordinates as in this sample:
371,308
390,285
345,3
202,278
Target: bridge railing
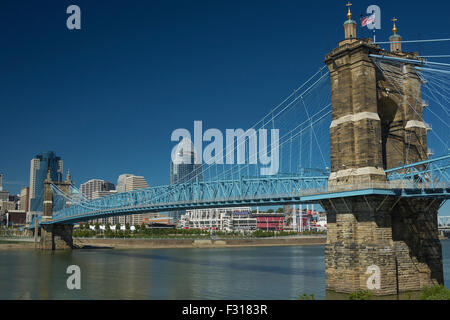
406,185
273,194
426,174
252,191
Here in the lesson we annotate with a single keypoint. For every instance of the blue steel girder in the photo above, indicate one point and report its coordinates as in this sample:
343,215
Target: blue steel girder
429,174
265,190
428,178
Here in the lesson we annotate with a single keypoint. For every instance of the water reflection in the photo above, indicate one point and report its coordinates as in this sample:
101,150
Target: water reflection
209,273
227,273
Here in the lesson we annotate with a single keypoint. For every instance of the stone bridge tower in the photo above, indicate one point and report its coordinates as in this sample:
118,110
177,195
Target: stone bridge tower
54,236
376,125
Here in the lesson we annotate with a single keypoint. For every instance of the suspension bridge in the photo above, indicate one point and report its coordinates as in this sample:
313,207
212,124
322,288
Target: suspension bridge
366,137
303,119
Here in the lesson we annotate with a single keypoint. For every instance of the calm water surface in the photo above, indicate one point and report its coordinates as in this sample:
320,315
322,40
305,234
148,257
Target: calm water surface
226,273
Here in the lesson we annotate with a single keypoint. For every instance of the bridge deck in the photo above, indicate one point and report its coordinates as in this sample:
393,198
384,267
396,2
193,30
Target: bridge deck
285,199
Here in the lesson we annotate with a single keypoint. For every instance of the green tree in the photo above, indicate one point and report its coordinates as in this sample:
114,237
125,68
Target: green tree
270,211
97,226
127,226
280,210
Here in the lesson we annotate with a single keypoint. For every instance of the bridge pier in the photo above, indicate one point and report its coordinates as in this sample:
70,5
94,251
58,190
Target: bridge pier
385,244
398,236
56,237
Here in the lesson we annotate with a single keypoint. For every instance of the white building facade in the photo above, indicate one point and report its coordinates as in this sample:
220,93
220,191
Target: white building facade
224,219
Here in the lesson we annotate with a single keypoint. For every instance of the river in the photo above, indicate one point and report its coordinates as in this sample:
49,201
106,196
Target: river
212,273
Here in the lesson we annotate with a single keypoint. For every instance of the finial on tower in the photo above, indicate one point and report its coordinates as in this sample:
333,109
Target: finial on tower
68,175
395,39
350,25
349,14
49,178
394,29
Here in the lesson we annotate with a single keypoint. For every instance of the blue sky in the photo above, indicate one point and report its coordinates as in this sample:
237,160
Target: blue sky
107,97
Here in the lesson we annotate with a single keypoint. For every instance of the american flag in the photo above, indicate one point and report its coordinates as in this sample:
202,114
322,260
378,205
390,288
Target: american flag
368,20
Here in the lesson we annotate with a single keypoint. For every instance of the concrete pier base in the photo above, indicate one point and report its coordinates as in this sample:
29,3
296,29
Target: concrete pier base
398,237
56,237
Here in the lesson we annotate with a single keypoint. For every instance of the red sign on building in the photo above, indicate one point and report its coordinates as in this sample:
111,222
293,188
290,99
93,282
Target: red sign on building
269,222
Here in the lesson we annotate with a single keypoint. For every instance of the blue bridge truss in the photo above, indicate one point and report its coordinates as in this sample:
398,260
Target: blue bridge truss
419,180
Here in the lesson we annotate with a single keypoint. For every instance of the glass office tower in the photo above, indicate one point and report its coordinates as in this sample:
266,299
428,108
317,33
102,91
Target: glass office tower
183,168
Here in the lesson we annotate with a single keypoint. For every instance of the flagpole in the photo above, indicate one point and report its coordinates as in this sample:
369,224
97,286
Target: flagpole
362,27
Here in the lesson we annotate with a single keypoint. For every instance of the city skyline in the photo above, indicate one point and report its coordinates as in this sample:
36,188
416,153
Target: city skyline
259,59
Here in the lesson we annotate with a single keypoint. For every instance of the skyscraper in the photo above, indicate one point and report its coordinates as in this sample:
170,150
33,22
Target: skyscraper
40,165
100,194
184,167
130,182
135,183
121,182
25,199
93,185
94,189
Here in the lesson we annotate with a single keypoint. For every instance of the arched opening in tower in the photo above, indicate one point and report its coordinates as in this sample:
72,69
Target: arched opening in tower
392,133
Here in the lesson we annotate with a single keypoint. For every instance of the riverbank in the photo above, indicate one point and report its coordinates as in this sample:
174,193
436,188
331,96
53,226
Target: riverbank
197,243
142,243
14,244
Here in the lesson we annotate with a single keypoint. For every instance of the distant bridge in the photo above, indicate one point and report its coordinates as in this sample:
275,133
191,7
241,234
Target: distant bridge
444,223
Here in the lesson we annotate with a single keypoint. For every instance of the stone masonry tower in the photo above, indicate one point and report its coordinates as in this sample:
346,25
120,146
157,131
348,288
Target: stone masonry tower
383,243
54,236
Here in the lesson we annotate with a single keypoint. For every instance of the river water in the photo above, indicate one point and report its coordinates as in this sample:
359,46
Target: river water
216,273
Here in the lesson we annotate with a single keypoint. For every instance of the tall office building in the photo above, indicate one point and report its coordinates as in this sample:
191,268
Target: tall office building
101,194
130,182
93,185
121,182
135,183
25,199
40,165
184,167
94,189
